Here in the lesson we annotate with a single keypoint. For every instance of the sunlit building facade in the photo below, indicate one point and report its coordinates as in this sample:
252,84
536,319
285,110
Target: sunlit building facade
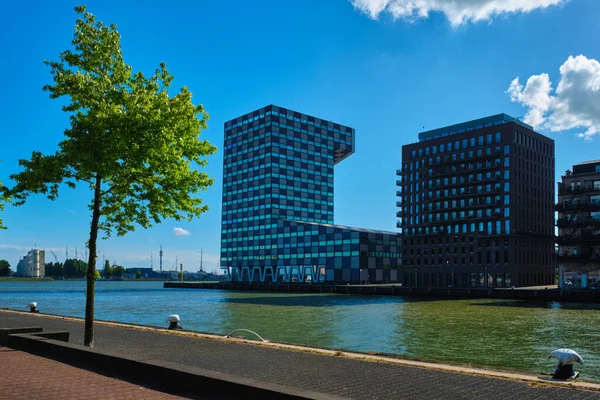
33,264
476,206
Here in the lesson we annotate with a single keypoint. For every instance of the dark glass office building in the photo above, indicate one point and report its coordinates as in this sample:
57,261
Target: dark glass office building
277,218
476,206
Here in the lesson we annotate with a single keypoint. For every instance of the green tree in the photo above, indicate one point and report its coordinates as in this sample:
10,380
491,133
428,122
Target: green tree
75,268
118,271
130,141
3,199
54,269
97,275
107,272
138,274
4,268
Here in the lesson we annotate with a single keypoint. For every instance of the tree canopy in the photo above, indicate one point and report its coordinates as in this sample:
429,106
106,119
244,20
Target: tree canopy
131,142
118,271
54,269
4,268
107,272
3,199
73,268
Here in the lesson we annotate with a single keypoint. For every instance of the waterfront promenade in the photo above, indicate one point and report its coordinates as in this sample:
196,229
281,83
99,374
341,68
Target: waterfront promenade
26,376
315,371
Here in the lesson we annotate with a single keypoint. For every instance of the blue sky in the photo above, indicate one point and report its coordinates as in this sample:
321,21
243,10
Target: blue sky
385,69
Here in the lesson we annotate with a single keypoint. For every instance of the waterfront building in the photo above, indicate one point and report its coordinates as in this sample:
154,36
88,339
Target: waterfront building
33,264
277,213
477,206
579,225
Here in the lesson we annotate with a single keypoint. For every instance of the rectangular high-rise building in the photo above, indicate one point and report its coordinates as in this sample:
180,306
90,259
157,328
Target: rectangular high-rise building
33,264
579,225
476,206
277,215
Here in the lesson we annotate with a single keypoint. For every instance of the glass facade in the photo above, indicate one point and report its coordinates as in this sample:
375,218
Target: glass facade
277,215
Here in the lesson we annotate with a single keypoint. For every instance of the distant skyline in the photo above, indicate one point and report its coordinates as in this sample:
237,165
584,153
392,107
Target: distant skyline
388,68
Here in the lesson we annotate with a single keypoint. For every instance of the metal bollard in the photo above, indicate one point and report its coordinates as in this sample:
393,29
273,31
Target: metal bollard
566,358
173,321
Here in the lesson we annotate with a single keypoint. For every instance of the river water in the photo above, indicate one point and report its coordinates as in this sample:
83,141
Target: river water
496,333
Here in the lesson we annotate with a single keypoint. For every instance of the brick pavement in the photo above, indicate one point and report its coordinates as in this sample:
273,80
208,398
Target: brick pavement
29,377
338,376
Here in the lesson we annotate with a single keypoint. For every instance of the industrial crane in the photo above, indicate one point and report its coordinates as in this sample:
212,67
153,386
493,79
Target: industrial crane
55,257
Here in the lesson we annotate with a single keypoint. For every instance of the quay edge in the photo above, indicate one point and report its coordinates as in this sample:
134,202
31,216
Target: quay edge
583,296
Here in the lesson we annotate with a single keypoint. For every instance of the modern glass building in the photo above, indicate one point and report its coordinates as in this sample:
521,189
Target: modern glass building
476,206
277,215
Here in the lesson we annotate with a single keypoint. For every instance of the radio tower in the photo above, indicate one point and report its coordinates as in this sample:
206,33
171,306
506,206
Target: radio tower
201,266
161,254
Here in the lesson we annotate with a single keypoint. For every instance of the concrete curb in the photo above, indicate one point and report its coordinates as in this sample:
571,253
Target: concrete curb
157,374
532,379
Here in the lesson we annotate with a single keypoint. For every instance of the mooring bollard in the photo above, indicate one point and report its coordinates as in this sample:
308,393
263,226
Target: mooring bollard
173,320
565,358
33,307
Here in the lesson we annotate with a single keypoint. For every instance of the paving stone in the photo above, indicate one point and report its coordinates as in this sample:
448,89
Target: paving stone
27,377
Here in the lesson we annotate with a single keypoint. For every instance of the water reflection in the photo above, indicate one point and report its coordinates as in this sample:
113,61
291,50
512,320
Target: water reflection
506,333
537,304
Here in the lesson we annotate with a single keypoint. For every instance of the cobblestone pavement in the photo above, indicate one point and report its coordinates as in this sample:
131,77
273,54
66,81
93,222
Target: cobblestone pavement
28,377
321,373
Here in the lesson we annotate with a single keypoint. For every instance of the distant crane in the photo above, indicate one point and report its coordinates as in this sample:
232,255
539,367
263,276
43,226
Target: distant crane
55,257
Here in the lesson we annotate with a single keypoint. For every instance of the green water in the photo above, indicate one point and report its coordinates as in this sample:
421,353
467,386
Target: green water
505,334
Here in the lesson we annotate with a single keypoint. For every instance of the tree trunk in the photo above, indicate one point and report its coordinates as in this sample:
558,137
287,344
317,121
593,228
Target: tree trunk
88,339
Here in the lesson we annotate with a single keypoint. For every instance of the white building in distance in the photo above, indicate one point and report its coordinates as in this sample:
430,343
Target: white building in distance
33,264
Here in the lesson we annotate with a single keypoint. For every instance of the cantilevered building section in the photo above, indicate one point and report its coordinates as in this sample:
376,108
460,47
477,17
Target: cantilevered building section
476,206
579,225
277,218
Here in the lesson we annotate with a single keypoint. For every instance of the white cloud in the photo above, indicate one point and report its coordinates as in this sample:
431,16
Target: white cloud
575,103
181,232
458,12
25,249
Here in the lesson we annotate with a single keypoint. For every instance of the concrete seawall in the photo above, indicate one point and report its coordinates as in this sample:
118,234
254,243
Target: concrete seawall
586,296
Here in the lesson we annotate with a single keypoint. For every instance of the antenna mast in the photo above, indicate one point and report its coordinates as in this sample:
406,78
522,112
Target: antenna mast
161,254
